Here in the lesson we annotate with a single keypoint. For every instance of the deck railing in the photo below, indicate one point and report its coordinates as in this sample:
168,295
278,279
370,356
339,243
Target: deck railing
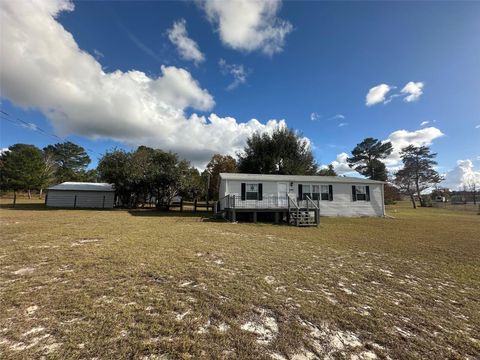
234,201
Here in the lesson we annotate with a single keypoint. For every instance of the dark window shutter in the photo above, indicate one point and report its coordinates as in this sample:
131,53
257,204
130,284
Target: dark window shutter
330,192
368,192
354,193
243,191
260,191
300,191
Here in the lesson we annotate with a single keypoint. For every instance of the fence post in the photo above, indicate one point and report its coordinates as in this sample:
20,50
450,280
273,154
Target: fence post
75,202
14,199
181,204
195,205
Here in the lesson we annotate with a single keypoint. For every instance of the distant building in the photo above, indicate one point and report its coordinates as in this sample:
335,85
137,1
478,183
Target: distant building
81,195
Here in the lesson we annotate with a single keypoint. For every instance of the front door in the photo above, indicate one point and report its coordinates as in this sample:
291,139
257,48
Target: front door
282,195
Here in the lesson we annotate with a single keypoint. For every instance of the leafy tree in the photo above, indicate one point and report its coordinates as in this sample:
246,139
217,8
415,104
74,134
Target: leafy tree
418,170
404,181
366,158
218,164
282,152
391,194
115,167
22,168
71,161
193,185
329,171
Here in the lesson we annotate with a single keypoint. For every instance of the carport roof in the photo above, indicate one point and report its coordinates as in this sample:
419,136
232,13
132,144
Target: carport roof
83,186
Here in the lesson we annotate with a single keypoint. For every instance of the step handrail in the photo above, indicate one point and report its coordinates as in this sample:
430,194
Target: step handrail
317,209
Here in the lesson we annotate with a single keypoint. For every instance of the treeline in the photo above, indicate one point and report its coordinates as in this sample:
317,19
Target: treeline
25,167
148,175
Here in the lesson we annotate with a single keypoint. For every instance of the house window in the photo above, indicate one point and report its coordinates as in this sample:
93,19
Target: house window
312,191
361,192
252,191
325,192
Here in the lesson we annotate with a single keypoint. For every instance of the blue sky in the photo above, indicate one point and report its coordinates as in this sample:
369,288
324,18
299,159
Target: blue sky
310,64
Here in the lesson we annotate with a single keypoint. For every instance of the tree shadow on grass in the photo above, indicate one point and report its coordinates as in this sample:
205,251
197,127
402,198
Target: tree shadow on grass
43,207
170,213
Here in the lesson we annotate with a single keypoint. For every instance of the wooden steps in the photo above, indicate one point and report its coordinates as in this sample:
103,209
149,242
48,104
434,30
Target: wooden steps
305,217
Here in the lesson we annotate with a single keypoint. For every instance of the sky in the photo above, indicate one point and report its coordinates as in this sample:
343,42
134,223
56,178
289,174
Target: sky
200,77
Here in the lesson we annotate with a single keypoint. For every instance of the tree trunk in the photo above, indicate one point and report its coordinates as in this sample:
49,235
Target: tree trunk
29,194
41,192
412,197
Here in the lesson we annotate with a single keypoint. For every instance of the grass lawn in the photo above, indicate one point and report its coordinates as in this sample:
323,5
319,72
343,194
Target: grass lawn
115,284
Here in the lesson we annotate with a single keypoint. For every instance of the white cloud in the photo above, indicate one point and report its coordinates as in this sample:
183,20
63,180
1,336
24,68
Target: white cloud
377,94
462,175
399,140
413,90
4,150
423,123
237,71
403,138
340,164
248,25
98,54
315,116
43,68
337,117
342,124
186,47
477,126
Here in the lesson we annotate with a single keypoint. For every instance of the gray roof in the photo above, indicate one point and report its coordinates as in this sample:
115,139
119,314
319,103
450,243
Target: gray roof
83,186
297,178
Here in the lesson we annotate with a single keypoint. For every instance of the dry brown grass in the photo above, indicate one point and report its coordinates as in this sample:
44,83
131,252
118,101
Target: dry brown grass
116,284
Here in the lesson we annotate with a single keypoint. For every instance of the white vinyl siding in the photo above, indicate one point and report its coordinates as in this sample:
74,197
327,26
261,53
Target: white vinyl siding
342,204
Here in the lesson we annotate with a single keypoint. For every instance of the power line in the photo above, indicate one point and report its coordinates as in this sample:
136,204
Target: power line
32,126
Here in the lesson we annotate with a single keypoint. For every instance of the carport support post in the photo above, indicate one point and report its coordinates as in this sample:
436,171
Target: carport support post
75,202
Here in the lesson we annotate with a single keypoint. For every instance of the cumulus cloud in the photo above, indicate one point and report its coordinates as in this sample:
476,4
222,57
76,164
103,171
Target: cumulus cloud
377,94
413,91
43,68
237,71
403,138
399,140
186,47
340,164
248,25
462,175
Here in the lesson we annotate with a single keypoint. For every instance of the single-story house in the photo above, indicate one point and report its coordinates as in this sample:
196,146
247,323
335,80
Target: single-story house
81,195
299,199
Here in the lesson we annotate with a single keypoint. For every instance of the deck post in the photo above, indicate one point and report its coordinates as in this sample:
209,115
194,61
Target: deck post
233,217
277,217
254,216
